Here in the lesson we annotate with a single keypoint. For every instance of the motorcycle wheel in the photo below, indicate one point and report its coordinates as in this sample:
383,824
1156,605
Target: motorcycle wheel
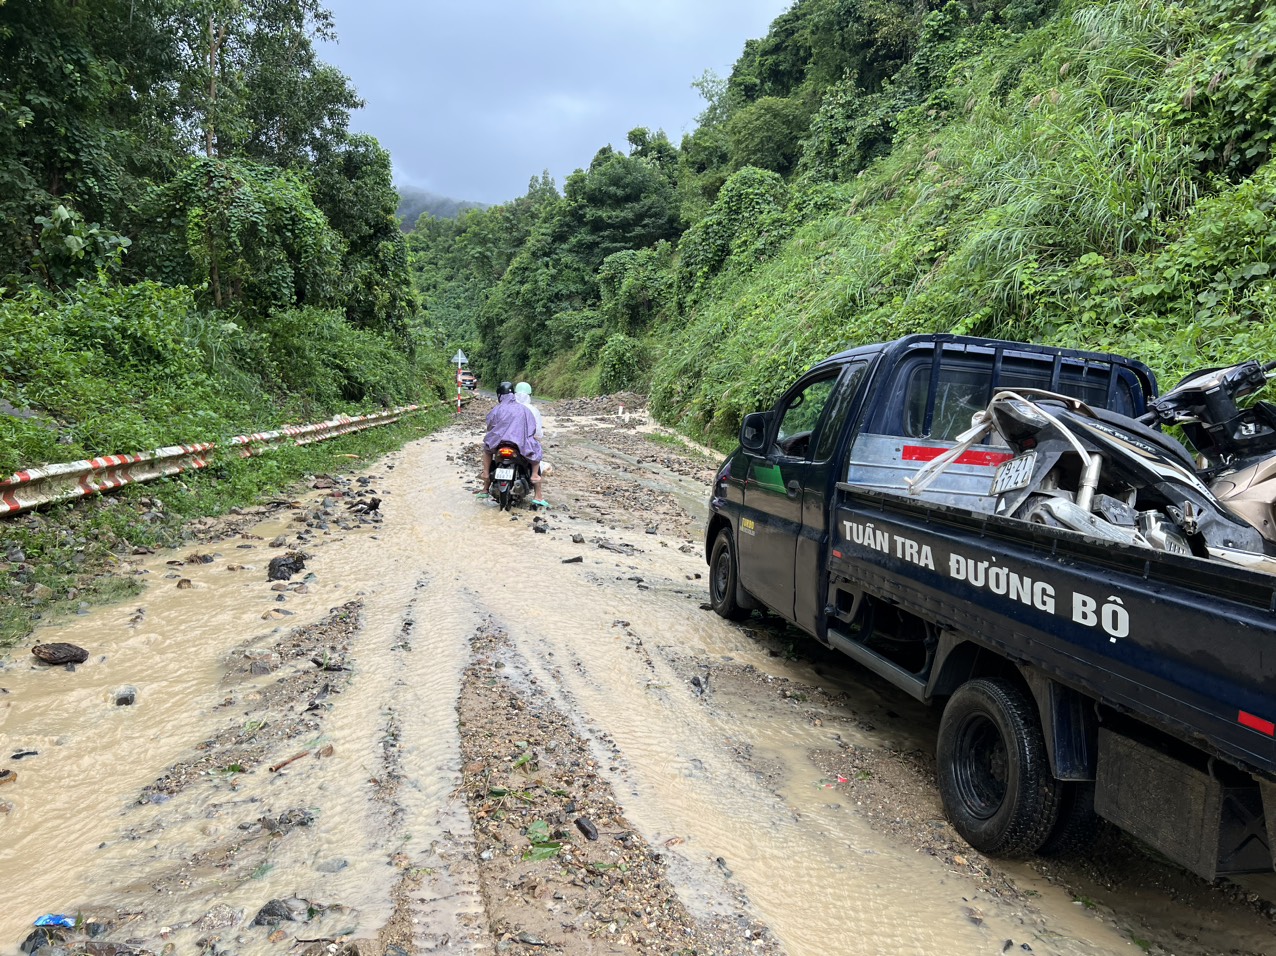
1033,511
505,497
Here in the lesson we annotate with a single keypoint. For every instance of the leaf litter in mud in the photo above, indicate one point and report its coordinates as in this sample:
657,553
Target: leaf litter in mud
541,880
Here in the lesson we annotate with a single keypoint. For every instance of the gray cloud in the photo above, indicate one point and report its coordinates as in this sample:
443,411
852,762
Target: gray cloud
475,98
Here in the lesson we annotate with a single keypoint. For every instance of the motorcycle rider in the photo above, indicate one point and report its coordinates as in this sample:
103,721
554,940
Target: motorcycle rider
509,421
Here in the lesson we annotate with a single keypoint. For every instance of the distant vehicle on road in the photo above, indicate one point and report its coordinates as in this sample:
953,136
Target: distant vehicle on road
467,379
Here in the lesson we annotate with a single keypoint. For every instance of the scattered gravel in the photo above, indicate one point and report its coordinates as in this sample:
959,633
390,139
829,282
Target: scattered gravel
561,868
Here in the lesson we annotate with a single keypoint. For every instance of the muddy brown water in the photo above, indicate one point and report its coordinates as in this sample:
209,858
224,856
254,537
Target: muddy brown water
767,834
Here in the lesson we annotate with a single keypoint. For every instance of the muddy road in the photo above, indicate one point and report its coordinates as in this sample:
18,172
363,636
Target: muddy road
458,730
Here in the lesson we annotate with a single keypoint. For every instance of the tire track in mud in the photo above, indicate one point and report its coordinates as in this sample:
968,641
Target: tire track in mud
561,868
437,904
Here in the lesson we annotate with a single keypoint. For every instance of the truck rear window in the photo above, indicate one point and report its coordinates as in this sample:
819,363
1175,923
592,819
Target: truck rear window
962,391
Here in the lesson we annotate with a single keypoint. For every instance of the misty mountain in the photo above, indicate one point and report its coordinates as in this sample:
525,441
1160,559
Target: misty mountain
413,202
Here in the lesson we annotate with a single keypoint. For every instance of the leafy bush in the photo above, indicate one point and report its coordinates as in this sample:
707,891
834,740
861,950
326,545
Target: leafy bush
108,369
621,363
767,134
746,224
568,330
592,345
319,356
70,249
636,286
249,234
849,130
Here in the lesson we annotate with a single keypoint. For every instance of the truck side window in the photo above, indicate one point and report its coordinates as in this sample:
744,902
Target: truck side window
835,420
800,417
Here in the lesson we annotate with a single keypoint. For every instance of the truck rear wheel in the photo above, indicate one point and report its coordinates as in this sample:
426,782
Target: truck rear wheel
723,575
1078,825
994,773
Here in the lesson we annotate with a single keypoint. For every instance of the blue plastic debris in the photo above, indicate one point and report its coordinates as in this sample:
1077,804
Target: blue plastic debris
56,919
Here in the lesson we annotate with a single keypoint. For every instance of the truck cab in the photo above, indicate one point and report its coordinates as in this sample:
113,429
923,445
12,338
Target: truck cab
872,416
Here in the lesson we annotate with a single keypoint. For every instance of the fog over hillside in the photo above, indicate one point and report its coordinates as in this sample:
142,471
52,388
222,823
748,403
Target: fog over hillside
414,201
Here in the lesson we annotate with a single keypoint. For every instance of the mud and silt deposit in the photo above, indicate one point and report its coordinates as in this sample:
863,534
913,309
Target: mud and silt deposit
385,717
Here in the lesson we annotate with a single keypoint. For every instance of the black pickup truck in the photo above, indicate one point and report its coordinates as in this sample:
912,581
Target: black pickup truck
1078,678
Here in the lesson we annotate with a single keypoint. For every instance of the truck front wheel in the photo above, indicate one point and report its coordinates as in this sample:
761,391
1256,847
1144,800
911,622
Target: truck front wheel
723,575
994,773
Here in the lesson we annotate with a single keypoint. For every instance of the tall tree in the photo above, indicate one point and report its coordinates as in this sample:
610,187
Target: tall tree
296,107
620,202
55,142
353,186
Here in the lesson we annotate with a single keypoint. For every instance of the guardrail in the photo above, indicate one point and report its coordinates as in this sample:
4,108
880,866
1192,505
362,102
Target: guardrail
78,479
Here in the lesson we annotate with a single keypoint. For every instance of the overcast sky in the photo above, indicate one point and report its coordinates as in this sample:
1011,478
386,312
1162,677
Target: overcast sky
475,97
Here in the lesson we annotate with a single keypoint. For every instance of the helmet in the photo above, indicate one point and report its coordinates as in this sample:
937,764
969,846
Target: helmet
522,388
505,388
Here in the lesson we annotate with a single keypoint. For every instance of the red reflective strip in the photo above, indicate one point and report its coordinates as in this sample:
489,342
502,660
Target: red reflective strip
1257,723
985,458
836,553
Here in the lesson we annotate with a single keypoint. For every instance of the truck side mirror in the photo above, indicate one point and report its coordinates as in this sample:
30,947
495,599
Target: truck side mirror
753,432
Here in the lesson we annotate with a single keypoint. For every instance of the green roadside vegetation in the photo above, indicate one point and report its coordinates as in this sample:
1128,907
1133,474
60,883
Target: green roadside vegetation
1085,173
193,245
67,547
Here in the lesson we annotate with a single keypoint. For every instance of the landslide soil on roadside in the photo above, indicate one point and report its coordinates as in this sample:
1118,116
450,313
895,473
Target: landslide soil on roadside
459,730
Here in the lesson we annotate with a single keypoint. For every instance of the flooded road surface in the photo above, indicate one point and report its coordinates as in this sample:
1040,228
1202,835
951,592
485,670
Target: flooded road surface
394,750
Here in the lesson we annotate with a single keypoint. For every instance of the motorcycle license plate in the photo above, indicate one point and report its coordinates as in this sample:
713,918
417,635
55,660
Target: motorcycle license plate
1014,474
504,474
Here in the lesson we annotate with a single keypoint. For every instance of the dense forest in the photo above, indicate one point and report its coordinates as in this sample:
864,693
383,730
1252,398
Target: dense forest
192,243
1079,172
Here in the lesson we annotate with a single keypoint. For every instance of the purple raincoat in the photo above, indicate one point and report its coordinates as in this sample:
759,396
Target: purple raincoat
512,422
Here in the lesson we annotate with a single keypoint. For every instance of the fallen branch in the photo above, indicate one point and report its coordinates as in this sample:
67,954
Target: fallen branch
280,766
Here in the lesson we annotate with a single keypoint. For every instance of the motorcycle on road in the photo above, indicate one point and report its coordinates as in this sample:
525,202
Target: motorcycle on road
511,475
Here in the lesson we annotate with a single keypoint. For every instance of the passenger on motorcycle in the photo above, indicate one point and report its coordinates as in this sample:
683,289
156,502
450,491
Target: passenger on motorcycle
523,395
509,421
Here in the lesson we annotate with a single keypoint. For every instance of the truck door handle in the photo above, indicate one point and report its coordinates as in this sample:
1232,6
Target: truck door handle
794,488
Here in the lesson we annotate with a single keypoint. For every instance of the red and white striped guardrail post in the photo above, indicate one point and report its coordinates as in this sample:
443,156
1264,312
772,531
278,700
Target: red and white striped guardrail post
78,479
